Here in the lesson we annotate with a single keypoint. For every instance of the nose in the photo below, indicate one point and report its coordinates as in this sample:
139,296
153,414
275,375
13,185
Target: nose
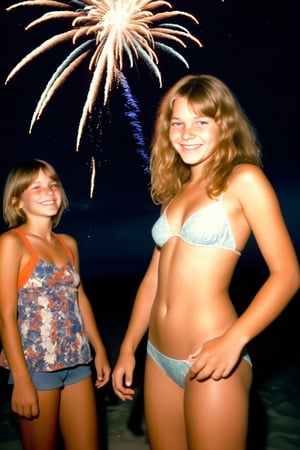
187,133
49,190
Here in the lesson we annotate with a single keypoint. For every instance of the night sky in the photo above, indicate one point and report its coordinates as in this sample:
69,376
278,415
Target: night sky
253,46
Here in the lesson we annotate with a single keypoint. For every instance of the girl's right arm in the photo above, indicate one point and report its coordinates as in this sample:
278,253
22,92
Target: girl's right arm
122,374
24,396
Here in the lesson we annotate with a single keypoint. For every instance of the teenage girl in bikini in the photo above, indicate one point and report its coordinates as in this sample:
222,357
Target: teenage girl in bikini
206,174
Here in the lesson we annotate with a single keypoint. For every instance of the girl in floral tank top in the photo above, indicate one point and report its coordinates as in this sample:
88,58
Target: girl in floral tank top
49,317
46,320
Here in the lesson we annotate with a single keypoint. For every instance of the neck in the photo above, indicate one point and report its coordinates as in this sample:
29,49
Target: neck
44,236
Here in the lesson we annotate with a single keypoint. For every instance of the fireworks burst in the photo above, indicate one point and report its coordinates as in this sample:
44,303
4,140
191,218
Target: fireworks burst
108,30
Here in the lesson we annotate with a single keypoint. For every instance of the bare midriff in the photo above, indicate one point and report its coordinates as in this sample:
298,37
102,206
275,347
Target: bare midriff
192,303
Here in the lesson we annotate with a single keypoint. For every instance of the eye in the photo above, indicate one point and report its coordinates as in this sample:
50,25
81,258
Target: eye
35,187
201,122
54,185
175,123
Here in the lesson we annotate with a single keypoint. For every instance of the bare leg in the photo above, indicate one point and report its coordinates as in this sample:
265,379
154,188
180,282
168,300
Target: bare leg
163,410
41,433
78,416
217,411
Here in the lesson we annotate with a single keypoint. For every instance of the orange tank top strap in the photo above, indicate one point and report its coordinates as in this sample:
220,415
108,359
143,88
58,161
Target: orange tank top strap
28,268
68,251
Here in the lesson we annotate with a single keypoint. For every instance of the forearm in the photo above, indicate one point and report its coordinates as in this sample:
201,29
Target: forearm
267,305
13,349
91,327
140,316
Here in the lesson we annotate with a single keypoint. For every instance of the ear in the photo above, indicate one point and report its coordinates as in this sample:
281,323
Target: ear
15,201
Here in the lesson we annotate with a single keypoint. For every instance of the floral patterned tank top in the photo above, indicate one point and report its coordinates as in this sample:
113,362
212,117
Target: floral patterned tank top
50,322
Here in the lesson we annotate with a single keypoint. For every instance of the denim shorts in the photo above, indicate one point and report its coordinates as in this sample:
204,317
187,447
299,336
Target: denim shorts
44,381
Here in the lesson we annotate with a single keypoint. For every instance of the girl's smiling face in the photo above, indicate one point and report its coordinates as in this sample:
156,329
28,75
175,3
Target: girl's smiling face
42,197
194,137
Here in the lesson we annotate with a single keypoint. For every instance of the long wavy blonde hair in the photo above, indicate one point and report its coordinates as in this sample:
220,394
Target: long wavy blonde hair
208,96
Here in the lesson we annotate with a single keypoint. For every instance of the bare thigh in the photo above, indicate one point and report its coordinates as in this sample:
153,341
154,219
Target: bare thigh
78,416
217,411
41,432
163,410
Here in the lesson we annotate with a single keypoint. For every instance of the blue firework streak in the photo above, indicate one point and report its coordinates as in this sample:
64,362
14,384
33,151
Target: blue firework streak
132,111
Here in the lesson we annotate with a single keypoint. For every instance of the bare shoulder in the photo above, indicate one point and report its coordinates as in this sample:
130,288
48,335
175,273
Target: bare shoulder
11,247
248,178
254,193
69,240
10,239
247,173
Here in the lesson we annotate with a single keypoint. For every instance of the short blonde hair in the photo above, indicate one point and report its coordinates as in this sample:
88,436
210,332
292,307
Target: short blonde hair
18,180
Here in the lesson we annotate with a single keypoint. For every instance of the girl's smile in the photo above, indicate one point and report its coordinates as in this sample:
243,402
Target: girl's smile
194,137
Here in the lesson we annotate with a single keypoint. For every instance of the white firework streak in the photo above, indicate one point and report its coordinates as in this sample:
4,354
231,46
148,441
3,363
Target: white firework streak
93,176
109,29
